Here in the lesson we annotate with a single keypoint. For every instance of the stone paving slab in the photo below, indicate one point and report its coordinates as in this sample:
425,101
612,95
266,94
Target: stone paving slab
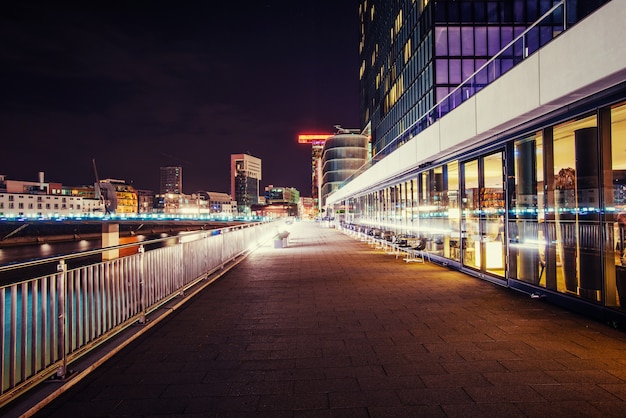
330,326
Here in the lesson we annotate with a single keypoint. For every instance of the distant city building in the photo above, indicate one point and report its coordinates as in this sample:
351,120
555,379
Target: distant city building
281,195
275,210
91,205
171,180
317,147
120,196
180,204
219,203
307,208
245,172
278,202
145,201
38,205
42,199
21,186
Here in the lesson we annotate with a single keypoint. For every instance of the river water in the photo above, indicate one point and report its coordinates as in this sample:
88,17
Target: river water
23,253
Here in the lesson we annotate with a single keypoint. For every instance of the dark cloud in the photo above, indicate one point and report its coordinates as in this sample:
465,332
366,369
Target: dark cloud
138,85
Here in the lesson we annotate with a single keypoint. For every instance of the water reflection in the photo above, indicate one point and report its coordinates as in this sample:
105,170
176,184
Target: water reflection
20,254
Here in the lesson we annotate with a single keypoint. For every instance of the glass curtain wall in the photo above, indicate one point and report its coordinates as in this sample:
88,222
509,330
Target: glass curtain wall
555,239
527,235
615,197
414,226
576,208
453,247
483,215
566,225
470,234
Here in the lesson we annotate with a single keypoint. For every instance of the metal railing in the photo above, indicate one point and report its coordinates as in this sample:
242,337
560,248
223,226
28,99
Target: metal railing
551,24
49,321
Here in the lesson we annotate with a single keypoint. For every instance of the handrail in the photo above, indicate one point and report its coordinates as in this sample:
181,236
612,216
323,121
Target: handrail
87,253
51,320
431,115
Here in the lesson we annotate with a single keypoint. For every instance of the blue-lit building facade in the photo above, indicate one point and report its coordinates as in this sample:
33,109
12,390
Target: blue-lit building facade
499,137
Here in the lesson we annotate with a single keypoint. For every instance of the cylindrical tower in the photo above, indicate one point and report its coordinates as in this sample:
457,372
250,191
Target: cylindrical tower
343,155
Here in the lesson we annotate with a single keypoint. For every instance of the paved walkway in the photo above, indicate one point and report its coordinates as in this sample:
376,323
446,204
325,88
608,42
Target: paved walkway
332,327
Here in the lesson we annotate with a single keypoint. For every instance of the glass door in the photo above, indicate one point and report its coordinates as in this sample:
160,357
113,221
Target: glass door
483,223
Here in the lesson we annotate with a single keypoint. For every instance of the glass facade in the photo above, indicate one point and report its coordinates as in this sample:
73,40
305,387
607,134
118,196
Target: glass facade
246,191
555,221
343,154
546,208
416,53
615,223
539,207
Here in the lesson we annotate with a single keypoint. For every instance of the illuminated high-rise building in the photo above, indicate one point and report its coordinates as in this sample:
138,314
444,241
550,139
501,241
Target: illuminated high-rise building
245,178
171,180
317,146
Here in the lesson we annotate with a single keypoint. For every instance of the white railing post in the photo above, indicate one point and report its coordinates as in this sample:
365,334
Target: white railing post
142,284
61,284
181,264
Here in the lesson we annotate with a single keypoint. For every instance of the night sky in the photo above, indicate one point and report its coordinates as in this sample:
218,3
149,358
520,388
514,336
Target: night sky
142,84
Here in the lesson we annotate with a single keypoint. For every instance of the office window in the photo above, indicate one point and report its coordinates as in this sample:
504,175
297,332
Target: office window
454,41
467,41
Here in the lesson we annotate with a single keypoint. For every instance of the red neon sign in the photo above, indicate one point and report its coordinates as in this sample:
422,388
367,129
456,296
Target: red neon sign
313,138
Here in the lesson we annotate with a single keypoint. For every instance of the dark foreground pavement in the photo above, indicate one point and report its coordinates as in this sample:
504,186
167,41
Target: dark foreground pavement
332,327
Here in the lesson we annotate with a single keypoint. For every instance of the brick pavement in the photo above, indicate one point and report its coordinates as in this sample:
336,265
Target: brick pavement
332,327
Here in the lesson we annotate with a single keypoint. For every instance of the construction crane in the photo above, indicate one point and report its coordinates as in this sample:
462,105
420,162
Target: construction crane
99,194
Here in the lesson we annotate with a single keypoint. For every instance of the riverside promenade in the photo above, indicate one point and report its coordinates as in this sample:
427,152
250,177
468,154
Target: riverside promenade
331,327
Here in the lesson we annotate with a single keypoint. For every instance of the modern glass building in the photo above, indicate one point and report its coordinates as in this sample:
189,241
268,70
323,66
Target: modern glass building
499,132
342,155
415,53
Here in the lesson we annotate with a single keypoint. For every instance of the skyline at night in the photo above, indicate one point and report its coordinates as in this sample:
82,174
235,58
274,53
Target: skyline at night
142,85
